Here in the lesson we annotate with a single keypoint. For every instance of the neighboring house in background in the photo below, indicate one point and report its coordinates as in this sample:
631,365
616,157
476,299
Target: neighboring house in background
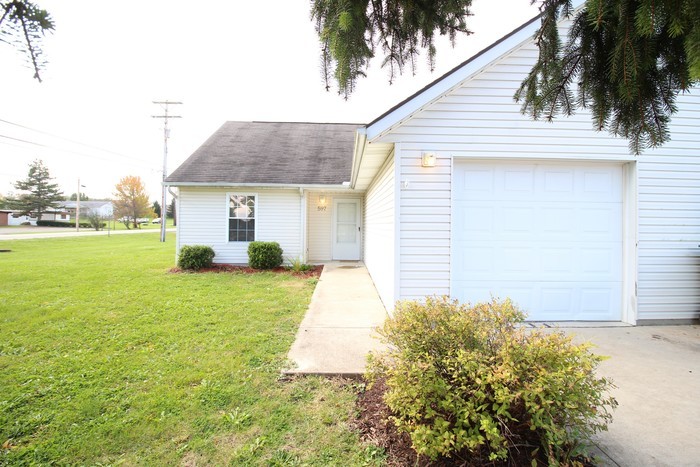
103,207
59,214
10,217
13,218
5,217
453,191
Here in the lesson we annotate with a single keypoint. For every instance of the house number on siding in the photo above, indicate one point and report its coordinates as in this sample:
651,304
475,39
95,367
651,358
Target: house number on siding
321,208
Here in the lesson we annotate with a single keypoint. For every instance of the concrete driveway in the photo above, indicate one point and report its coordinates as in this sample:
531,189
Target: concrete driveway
657,373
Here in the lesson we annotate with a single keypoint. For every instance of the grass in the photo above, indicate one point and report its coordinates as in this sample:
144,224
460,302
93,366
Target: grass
106,358
116,225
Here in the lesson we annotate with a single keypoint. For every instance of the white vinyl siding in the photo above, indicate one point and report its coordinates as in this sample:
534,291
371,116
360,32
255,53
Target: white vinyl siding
203,220
669,220
380,233
424,262
479,119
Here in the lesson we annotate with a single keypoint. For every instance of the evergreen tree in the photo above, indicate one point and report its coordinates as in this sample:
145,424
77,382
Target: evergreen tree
156,208
39,193
626,60
171,212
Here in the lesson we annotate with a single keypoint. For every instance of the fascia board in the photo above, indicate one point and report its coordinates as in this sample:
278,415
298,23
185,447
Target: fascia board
258,185
358,153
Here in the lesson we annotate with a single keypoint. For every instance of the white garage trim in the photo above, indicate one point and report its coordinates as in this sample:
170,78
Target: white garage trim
515,251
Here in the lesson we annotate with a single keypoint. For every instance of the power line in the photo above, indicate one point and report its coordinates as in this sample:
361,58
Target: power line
55,148
19,125
24,141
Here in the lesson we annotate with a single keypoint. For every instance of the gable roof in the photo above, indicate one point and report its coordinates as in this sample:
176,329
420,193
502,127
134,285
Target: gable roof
271,153
453,78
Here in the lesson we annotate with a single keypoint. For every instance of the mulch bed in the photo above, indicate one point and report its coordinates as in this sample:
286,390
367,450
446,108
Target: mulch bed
315,271
375,428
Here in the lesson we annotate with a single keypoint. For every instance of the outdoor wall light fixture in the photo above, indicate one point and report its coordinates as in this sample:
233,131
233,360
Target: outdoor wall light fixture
427,159
322,200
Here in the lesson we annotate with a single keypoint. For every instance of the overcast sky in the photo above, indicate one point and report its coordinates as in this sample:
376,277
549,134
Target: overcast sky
91,118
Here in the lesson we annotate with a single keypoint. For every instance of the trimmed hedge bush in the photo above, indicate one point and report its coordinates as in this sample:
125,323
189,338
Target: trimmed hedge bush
264,255
473,382
195,257
87,225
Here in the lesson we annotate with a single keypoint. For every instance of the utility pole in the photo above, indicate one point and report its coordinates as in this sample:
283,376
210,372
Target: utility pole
77,208
166,134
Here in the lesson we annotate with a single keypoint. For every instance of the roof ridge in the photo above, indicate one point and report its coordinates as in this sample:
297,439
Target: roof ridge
295,122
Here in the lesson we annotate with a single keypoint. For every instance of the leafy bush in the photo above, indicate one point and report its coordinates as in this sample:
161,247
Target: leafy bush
195,257
264,255
471,380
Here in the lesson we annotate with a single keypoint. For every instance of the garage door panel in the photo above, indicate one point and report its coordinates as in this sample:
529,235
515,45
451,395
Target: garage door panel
545,301
575,222
480,260
477,183
517,260
558,181
556,221
601,221
518,219
556,261
479,219
601,262
599,184
547,235
520,181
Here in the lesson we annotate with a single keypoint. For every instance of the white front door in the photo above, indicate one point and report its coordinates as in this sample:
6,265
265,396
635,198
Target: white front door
346,229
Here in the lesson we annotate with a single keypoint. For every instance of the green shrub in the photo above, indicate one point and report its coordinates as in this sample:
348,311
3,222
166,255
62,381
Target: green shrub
472,381
195,257
70,224
264,255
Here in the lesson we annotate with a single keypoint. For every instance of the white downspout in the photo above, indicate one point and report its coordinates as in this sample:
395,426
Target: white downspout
175,215
303,195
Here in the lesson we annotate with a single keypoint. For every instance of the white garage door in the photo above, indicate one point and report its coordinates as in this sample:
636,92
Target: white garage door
547,235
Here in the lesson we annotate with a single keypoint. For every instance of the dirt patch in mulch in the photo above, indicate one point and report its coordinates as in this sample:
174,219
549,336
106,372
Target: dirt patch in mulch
375,428
315,271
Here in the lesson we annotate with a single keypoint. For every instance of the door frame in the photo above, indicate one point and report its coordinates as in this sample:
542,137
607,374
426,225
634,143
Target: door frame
334,222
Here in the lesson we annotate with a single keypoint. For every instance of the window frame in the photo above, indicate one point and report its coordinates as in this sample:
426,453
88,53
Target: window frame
256,216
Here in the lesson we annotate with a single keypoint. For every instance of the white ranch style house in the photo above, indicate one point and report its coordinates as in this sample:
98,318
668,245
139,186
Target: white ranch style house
453,191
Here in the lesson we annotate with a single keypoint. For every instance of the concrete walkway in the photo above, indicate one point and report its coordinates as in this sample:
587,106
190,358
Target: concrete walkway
337,331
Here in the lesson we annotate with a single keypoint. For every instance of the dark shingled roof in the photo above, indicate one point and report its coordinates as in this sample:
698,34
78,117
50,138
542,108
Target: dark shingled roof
272,153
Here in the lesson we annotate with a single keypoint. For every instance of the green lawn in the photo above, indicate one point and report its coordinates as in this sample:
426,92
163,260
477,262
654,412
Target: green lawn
106,358
116,225
113,225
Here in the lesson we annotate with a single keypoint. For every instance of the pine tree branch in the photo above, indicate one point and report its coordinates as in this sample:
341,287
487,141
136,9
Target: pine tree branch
30,48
